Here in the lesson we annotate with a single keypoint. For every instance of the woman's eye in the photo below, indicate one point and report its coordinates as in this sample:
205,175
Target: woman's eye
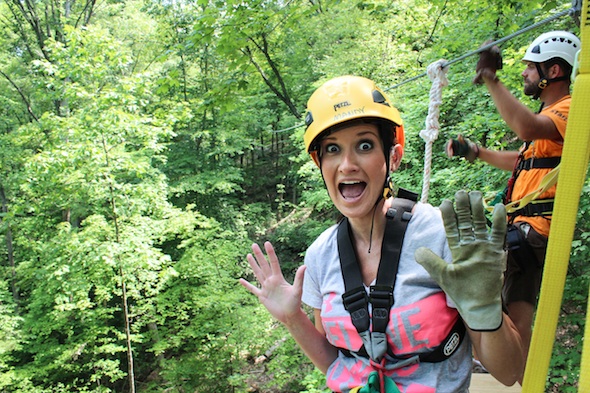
332,148
365,145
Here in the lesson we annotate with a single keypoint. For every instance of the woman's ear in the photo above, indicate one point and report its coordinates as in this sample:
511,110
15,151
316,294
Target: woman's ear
395,157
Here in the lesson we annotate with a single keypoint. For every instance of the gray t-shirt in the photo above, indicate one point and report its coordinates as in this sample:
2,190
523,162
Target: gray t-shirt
420,318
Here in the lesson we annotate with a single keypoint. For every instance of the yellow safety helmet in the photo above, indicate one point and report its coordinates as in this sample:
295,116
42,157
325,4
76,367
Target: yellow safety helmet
343,99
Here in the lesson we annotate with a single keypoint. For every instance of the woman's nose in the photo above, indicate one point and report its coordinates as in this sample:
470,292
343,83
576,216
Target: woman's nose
349,162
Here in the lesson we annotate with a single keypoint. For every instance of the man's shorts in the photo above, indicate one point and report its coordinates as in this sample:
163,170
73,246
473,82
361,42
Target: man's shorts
522,278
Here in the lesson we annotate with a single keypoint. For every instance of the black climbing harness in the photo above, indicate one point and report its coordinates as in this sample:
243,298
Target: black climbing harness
380,295
539,207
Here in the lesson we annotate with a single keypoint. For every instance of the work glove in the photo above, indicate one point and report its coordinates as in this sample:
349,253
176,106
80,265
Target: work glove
462,147
474,278
490,60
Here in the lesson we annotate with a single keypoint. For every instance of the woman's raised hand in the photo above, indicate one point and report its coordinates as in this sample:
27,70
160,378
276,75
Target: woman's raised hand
281,299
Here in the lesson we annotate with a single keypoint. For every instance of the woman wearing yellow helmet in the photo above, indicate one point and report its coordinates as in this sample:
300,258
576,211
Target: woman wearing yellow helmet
382,323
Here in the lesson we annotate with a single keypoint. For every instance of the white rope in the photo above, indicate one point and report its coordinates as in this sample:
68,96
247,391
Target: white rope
437,72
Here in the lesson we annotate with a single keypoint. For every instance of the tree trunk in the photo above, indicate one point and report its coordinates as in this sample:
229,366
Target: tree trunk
130,372
9,249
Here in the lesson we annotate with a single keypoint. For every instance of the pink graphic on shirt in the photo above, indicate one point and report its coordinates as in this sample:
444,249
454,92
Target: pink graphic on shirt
328,303
411,329
349,379
414,327
415,388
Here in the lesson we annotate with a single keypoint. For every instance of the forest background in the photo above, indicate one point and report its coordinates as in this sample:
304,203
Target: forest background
145,145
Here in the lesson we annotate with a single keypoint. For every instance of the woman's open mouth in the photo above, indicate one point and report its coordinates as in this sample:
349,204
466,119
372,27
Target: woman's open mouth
352,189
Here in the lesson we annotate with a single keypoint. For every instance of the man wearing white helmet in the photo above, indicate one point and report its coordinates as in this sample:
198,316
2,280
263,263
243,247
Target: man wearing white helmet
547,75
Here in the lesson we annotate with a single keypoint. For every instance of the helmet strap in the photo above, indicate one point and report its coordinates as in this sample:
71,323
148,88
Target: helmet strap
543,81
389,188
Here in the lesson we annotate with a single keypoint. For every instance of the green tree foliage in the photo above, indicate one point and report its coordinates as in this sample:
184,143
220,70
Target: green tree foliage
145,145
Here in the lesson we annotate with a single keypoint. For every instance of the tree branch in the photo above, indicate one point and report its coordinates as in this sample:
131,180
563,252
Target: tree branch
28,105
283,94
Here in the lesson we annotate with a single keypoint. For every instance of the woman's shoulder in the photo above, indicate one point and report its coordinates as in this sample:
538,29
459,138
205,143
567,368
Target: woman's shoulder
425,212
326,238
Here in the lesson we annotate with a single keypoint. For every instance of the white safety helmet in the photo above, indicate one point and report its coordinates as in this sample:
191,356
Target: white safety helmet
554,44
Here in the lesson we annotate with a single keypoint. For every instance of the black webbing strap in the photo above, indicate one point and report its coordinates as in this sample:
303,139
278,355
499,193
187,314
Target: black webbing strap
543,207
380,296
355,298
538,163
442,352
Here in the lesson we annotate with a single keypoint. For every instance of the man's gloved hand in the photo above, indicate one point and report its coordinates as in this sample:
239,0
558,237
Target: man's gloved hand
490,60
474,279
462,147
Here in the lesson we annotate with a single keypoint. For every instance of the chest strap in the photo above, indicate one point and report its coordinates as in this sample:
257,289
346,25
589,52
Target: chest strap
442,352
538,163
541,207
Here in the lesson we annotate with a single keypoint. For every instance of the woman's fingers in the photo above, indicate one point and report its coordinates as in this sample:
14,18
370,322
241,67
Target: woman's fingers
256,268
298,282
261,262
275,268
264,266
250,287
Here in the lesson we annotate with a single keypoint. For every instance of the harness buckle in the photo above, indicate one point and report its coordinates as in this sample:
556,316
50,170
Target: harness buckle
355,302
381,296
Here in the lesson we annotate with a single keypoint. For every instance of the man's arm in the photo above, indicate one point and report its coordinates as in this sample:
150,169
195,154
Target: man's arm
502,159
526,124
463,147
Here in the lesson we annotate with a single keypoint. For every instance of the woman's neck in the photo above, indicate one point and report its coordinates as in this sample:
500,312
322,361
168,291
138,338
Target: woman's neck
368,231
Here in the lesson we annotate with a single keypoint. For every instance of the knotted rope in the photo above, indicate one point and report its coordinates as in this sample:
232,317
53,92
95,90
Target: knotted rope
437,72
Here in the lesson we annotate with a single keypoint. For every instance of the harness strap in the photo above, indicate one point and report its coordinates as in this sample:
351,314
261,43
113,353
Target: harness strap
355,300
543,207
548,181
381,293
380,296
442,352
538,163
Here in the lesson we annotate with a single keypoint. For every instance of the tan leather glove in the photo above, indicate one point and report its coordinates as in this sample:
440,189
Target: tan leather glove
474,279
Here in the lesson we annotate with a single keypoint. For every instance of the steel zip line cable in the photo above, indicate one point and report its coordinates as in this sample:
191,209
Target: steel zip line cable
574,12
